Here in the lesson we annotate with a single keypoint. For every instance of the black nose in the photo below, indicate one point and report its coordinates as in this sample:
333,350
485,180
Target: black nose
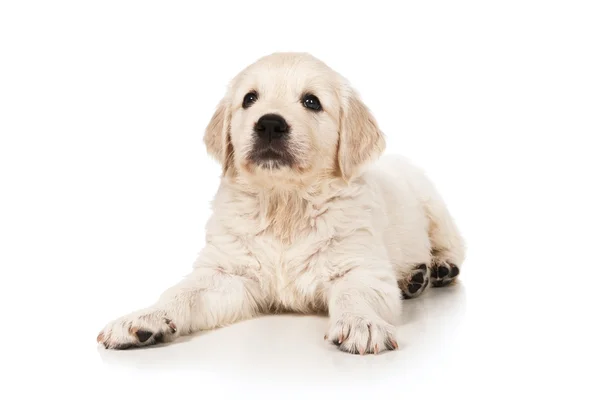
271,126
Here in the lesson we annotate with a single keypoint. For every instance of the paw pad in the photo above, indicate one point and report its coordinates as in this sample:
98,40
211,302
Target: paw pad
143,335
443,274
416,282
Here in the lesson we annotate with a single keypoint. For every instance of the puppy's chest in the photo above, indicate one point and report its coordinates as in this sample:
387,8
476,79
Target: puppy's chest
294,270
294,250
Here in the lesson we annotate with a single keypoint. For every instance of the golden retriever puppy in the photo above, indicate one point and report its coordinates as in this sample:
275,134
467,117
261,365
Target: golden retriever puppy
304,220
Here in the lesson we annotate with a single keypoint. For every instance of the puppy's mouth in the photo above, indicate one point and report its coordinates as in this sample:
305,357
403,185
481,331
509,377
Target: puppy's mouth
271,157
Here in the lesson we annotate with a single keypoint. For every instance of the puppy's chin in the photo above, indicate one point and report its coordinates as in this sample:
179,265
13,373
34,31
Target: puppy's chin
270,169
270,159
272,165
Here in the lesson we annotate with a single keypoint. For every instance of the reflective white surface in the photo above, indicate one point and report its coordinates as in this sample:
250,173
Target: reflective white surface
458,341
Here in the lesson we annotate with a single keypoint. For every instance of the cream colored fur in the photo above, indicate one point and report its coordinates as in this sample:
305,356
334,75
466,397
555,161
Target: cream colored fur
334,233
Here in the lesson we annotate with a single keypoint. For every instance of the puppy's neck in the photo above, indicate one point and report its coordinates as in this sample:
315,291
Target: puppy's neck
288,211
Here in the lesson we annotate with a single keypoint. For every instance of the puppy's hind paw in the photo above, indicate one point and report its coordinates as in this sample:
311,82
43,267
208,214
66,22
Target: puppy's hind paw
415,283
443,273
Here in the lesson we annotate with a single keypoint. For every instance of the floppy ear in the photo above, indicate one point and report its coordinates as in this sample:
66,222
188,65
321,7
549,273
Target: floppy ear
217,137
360,138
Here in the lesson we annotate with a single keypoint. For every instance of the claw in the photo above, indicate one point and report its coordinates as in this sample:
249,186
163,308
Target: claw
394,344
100,337
171,325
376,348
361,351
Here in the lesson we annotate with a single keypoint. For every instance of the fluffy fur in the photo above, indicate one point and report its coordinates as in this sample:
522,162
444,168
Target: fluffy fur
334,232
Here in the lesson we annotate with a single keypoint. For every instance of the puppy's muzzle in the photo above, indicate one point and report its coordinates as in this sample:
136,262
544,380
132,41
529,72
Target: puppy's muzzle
270,148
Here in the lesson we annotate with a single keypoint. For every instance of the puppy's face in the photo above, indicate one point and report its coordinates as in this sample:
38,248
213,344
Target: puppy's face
290,116
284,116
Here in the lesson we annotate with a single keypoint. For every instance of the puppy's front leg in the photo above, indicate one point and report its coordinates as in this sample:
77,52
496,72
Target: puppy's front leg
207,298
363,305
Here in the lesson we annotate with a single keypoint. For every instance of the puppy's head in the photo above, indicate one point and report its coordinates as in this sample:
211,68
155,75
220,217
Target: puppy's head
290,117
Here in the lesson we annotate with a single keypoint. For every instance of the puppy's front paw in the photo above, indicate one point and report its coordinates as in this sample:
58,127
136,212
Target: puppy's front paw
359,334
138,329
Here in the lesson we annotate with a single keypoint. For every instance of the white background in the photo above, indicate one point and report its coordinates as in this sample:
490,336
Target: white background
105,190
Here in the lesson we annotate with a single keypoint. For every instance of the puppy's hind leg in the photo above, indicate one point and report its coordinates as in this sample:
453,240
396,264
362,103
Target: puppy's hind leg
447,245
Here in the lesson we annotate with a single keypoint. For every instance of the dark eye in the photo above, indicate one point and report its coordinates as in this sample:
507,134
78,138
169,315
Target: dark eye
249,99
312,102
